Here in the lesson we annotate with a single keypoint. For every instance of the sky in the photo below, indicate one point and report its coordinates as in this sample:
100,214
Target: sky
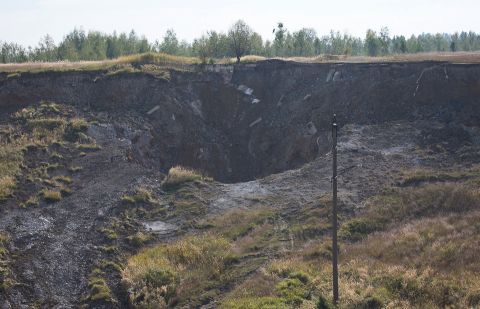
26,21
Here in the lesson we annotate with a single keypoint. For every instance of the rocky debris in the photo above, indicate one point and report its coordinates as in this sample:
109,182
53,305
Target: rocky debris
160,227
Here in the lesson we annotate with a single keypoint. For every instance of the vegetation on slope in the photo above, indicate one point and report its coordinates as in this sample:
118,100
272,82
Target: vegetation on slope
412,246
34,153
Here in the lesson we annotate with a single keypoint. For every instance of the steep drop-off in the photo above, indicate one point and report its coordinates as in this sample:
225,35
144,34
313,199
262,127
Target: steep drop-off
238,123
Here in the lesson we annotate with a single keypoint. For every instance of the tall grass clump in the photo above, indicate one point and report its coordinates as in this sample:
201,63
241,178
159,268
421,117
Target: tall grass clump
178,175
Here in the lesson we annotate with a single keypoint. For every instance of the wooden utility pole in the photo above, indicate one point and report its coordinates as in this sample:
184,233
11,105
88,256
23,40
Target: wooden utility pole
334,212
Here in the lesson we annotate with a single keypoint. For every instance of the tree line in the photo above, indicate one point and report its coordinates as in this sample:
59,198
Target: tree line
238,41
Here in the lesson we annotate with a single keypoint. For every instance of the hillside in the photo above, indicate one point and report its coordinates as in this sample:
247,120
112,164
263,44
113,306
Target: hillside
97,212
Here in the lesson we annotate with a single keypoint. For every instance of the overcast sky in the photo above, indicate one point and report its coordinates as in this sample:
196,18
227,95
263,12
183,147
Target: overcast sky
26,21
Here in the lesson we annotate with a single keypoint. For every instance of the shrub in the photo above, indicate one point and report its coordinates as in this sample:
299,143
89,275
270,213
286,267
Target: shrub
178,175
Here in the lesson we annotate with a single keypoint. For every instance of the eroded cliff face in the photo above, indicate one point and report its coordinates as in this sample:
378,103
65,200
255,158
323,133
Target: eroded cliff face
243,122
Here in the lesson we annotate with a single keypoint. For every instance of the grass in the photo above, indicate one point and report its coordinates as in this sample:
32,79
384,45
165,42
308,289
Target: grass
75,169
51,196
99,291
88,147
175,62
419,176
75,129
63,179
165,274
31,201
410,203
46,123
7,185
140,196
159,59
237,223
178,175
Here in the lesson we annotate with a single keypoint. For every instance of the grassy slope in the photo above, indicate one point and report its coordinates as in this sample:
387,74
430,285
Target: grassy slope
413,246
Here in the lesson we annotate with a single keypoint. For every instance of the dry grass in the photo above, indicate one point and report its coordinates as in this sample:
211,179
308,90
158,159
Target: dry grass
174,62
51,196
457,57
7,184
411,203
178,175
159,59
140,196
239,222
158,275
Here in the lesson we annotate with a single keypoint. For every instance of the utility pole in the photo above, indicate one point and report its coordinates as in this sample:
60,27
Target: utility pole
334,212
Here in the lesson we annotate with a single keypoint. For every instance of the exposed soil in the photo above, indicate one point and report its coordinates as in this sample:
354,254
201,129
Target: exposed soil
262,130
